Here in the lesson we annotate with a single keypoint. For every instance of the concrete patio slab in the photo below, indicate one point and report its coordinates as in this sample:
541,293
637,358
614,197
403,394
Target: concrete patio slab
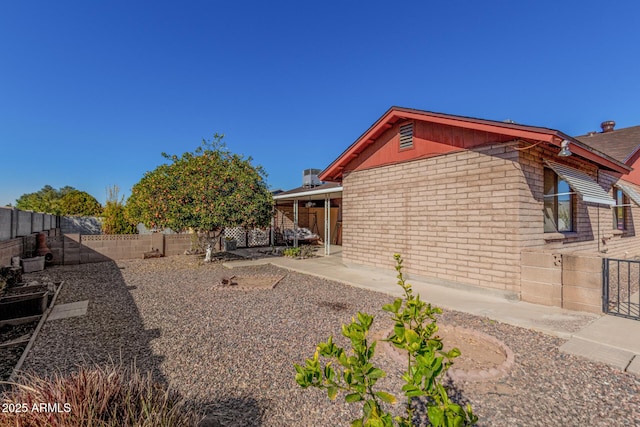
634,366
64,311
612,356
617,332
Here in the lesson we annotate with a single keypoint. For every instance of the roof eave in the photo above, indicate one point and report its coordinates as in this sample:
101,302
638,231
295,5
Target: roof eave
334,171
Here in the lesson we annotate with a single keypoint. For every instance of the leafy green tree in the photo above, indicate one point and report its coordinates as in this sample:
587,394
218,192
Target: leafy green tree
114,217
46,200
336,370
205,190
79,203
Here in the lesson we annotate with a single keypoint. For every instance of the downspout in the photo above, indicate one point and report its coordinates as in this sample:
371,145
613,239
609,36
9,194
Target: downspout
598,181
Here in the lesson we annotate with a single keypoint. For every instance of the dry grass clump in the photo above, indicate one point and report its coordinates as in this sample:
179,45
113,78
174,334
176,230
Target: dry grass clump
98,396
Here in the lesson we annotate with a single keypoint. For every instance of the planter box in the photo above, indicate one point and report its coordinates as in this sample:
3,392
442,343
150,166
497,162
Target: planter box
229,245
30,265
23,305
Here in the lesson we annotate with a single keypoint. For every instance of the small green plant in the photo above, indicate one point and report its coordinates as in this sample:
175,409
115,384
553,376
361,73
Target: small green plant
300,252
100,396
354,374
292,252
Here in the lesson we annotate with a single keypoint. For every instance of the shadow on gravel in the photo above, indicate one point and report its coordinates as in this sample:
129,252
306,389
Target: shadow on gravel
232,412
112,331
420,407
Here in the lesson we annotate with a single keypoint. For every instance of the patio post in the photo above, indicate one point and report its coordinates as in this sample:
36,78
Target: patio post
327,224
295,223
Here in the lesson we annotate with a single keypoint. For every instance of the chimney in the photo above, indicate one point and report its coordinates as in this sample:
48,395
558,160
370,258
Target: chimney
607,126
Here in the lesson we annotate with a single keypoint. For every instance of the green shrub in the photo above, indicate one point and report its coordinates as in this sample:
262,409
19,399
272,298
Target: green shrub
114,216
292,252
305,251
105,397
354,374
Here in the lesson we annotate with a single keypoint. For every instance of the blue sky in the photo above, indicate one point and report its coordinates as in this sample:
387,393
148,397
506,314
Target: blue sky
91,92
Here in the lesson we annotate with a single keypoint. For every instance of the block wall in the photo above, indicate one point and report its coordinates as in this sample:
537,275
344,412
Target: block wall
541,278
176,244
582,283
9,249
16,223
453,216
23,247
561,280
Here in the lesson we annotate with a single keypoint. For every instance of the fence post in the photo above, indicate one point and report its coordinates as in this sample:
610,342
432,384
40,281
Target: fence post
605,286
14,223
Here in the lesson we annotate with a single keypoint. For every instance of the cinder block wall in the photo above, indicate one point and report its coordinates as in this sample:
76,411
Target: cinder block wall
80,249
9,249
118,246
176,244
569,281
453,216
582,283
541,278
18,223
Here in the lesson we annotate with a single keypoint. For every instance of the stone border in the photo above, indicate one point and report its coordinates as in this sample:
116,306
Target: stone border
453,373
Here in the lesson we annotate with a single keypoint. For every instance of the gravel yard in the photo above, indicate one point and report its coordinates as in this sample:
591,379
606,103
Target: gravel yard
231,351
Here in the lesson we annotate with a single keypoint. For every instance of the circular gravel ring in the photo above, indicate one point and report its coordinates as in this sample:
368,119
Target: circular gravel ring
454,373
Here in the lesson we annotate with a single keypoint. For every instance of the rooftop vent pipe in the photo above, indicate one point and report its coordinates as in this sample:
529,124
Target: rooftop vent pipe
607,126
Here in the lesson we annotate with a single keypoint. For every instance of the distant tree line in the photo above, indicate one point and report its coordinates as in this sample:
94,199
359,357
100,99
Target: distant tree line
202,191
65,201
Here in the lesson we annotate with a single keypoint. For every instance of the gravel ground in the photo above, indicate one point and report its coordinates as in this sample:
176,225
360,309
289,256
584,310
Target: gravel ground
231,352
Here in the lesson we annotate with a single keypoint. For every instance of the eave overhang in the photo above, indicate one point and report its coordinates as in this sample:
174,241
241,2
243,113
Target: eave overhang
552,137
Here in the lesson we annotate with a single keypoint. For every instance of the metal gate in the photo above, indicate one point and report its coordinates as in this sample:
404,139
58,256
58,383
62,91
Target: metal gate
621,287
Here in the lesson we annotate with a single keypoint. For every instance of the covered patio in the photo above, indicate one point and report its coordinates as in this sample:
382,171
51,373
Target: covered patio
323,201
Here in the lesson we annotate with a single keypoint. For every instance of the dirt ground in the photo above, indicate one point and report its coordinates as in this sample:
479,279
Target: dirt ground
479,352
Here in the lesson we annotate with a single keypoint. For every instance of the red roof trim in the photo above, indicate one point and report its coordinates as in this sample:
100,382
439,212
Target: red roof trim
334,171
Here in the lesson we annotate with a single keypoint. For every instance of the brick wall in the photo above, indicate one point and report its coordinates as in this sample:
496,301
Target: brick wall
467,216
595,231
454,216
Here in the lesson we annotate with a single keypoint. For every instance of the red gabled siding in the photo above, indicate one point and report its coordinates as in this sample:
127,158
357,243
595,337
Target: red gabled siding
634,175
429,139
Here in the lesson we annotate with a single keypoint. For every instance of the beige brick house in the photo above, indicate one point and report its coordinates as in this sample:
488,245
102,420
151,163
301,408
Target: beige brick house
489,204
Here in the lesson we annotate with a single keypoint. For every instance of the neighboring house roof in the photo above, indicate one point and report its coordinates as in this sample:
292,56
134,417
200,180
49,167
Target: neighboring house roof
620,144
517,131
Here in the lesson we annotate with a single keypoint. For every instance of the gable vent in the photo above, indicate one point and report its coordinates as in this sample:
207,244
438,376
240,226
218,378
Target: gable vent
406,136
